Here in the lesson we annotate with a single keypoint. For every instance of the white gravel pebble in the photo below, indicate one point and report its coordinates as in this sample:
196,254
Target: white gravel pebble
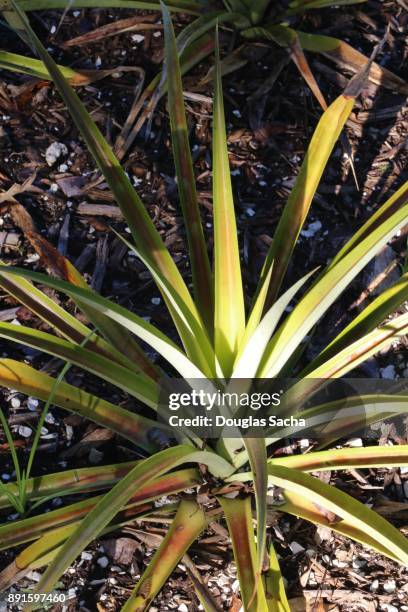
137,38
359,562
355,443
338,563
72,593
156,301
388,607
374,586
311,229
54,152
98,62
63,167
388,372
5,476
182,608
34,576
86,556
250,212
389,586
296,548
25,431
32,404
15,402
103,562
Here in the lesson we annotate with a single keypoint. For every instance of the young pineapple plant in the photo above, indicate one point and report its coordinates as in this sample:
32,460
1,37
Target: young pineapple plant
218,341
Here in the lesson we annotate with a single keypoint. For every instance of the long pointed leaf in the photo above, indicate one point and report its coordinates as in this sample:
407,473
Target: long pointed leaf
344,54
256,449
185,6
105,510
23,378
374,314
248,362
398,200
239,520
28,529
138,385
143,230
36,68
200,264
229,320
323,293
49,311
83,479
194,337
355,353
188,523
347,458
131,322
342,505
301,196
303,507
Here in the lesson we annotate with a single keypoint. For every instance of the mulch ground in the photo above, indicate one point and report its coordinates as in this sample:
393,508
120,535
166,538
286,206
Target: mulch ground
269,125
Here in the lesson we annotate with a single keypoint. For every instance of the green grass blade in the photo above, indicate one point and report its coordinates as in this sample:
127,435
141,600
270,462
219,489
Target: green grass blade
274,587
229,320
200,264
188,523
14,499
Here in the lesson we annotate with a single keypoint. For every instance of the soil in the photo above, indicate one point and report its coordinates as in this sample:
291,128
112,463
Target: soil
269,127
